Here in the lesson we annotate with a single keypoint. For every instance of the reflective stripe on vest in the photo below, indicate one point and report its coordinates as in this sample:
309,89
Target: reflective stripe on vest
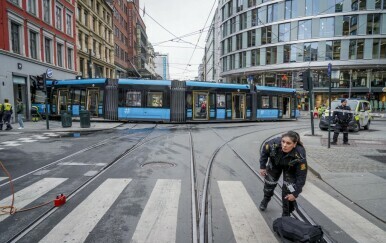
7,106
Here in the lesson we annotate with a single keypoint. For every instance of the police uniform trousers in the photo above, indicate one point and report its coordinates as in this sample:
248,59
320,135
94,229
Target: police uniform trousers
270,182
340,127
1,120
7,119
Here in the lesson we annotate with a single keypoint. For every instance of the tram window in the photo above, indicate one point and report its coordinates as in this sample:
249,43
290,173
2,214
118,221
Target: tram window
189,101
154,99
264,101
274,102
133,98
212,100
221,101
76,100
39,97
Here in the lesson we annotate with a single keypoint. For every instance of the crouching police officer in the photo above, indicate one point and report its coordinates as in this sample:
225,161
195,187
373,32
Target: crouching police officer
342,117
287,155
7,107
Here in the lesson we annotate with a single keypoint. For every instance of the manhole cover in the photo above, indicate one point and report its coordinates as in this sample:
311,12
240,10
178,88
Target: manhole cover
158,164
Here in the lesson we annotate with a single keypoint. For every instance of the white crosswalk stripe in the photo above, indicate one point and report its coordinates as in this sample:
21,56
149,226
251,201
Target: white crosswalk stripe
31,193
247,223
158,222
27,140
10,144
39,137
1,148
357,227
77,225
3,178
51,134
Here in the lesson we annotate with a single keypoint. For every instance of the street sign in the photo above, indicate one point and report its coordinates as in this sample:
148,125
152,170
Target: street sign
384,89
329,67
49,73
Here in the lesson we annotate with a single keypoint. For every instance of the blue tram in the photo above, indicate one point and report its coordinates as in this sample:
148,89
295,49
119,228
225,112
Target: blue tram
170,101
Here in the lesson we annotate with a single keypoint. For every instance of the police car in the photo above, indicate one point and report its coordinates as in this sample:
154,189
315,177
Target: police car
361,115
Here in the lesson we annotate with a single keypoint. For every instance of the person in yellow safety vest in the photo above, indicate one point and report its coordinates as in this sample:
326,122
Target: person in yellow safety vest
1,116
321,110
7,107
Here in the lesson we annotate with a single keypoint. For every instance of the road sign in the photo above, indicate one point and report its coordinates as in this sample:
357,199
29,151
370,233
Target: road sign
49,73
329,67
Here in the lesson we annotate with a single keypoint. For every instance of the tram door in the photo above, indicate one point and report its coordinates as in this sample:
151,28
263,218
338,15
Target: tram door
200,108
63,101
238,106
93,101
286,107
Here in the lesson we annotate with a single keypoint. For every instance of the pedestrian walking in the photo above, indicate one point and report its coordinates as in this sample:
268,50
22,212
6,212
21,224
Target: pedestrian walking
342,117
20,113
286,155
7,107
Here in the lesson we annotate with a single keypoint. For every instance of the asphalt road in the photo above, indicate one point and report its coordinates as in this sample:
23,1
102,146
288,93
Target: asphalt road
134,183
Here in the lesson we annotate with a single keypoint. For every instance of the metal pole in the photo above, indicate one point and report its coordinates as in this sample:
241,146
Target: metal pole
329,113
46,101
311,104
349,93
89,64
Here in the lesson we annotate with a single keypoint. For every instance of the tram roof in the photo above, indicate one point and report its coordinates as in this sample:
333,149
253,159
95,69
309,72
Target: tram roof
275,89
217,85
80,81
144,82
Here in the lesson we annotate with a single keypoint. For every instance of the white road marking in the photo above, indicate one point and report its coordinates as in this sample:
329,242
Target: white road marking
31,193
27,140
78,224
39,137
81,164
51,134
91,173
3,178
158,222
1,148
41,172
10,144
357,227
247,223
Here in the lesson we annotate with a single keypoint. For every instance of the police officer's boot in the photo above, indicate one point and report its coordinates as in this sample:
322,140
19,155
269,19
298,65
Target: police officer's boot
1,127
264,203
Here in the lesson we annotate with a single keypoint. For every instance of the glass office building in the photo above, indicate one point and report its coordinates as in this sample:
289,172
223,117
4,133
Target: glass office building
272,42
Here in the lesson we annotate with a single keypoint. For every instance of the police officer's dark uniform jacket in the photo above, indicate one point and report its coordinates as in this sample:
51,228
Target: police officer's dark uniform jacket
293,165
1,116
341,120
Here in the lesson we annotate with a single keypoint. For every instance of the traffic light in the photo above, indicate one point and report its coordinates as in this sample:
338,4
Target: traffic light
306,80
40,82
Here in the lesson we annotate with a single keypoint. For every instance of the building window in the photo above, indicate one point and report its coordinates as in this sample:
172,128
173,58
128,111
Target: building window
360,48
239,41
356,49
293,54
304,30
243,21
288,12
310,52
336,50
59,54
266,35
373,24
16,2
327,27
233,25
242,59
47,50
70,58
230,45
255,17
255,57
69,24
33,44
240,5
59,17
284,32
376,48
272,13
271,54
31,7
383,48
328,50
287,54
350,24
251,38
230,8
358,4
15,37
47,11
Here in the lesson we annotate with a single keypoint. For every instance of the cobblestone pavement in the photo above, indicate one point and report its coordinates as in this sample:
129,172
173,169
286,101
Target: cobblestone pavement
358,170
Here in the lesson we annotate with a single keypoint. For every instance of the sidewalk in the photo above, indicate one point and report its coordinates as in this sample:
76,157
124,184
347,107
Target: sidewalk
357,171
376,115
56,126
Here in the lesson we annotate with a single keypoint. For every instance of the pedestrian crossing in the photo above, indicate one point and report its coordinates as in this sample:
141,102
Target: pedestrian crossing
30,139
159,217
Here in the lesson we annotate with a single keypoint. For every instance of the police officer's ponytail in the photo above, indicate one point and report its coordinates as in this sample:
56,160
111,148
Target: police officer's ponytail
294,136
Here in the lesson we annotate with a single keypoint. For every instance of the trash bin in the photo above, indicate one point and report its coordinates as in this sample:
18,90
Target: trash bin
84,119
66,120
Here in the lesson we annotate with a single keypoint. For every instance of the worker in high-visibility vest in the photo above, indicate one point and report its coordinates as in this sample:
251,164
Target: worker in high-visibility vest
1,116
7,107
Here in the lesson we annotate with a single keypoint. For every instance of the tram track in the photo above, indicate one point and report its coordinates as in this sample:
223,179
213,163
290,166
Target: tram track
204,223
79,189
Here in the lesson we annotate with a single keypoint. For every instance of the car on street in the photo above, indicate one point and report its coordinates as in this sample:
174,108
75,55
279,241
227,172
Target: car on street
361,115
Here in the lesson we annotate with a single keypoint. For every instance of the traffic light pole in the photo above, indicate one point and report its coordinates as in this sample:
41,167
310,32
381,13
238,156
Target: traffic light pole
311,104
329,104
46,101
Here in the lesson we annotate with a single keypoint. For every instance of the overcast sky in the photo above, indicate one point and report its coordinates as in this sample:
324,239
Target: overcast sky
179,17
